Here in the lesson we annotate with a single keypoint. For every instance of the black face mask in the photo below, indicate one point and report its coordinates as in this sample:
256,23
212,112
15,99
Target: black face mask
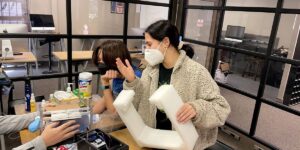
102,68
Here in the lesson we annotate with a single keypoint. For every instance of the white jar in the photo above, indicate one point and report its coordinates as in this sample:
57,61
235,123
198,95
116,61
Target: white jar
85,84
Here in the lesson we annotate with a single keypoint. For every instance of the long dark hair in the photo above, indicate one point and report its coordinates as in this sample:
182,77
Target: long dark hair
111,50
163,28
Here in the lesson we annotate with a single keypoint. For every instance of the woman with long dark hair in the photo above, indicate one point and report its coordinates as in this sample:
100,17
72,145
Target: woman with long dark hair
169,64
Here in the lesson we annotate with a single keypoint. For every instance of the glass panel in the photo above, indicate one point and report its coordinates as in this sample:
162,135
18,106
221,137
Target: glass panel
141,16
205,2
286,43
202,54
241,109
201,25
291,4
239,71
158,1
97,17
135,44
28,53
283,84
43,87
252,3
52,11
247,30
278,127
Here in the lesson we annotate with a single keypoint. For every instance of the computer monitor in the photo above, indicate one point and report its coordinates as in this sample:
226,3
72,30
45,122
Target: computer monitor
235,32
40,22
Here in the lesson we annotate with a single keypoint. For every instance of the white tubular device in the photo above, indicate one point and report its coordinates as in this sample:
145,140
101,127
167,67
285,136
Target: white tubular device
165,98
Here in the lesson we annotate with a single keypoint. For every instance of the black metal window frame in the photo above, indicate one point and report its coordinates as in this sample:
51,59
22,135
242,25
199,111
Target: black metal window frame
267,57
69,36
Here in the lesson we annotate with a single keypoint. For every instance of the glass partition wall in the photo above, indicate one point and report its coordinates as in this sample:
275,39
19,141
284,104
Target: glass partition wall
255,62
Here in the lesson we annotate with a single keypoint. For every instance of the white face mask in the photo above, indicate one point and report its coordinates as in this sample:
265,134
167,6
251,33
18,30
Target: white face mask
154,56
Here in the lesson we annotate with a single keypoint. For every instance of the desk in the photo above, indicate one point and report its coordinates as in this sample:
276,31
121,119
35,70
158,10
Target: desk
124,136
26,57
76,56
106,123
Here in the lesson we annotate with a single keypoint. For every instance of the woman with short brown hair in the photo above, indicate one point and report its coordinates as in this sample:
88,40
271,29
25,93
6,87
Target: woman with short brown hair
104,57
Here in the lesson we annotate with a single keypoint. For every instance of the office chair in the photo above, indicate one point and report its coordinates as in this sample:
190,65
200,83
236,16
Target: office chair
49,41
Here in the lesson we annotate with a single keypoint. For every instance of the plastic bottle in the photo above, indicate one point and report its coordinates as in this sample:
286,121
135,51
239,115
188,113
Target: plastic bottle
32,103
85,84
69,90
27,95
51,98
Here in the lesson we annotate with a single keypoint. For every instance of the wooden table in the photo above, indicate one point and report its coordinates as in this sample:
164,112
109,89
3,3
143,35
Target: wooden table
77,56
26,57
124,136
107,123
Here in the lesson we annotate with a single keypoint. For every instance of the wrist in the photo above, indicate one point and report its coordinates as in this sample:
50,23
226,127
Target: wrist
105,82
104,87
131,79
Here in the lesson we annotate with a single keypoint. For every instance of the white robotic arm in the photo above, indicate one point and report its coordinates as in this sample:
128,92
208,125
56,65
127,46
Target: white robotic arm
165,98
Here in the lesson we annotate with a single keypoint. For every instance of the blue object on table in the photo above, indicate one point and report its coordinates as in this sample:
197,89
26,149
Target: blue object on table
34,125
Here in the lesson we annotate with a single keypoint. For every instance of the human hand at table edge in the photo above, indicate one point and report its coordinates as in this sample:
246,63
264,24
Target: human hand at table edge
54,134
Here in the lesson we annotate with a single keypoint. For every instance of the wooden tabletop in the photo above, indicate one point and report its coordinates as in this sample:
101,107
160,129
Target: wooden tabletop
76,55
26,57
124,136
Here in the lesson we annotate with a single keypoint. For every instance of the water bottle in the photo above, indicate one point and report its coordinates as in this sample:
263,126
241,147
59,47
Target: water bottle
27,95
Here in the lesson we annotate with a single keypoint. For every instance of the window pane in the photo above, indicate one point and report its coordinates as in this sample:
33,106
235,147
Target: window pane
286,43
252,3
247,30
278,127
202,54
239,71
205,2
97,17
141,16
58,12
283,84
241,109
291,4
201,25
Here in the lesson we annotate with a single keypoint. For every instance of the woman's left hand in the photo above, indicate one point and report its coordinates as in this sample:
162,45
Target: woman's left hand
185,113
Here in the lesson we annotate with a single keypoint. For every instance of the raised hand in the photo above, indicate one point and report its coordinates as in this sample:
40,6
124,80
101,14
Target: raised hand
125,70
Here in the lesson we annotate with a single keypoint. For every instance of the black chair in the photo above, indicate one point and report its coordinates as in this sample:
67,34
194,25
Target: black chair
49,41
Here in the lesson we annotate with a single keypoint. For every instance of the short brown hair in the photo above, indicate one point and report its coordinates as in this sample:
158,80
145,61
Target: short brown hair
111,50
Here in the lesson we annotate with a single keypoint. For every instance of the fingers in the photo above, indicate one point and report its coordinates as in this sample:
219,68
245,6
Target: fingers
128,64
53,124
71,128
120,64
70,134
185,113
110,74
67,124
